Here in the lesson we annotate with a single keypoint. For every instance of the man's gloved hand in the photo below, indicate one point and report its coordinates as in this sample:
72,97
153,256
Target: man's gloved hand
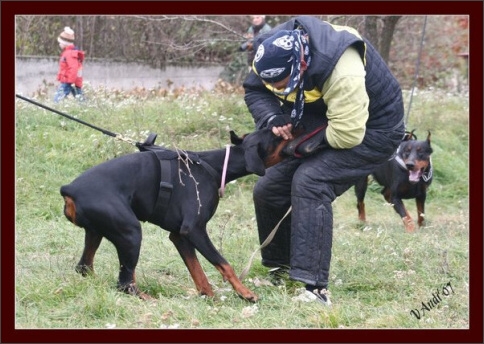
308,144
278,121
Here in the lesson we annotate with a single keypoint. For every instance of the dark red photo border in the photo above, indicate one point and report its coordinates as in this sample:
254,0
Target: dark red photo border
9,9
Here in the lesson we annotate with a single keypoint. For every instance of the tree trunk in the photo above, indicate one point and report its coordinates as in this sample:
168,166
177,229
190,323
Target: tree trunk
381,41
389,24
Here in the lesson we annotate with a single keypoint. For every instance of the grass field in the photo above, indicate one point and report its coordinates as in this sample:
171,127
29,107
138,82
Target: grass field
379,274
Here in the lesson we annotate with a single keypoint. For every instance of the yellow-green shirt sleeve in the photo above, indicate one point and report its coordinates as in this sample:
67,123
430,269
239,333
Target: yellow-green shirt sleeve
345,96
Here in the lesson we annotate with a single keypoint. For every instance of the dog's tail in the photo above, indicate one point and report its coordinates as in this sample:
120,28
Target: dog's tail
70,209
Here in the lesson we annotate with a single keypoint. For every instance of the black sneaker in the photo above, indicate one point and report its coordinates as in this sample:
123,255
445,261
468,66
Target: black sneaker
318,294
322,296
278,275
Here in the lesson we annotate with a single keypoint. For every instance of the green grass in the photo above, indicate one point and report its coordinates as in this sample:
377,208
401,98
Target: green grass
378,273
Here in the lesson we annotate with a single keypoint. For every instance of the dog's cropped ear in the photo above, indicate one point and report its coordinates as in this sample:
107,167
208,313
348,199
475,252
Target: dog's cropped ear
235,139
409,135
428,142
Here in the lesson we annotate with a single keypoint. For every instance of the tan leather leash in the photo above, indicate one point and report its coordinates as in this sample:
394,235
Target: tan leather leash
264,244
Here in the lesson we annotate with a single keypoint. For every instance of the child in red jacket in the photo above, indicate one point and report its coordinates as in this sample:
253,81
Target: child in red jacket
70,67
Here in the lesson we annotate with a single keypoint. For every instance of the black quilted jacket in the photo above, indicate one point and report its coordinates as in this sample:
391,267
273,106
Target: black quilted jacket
327,45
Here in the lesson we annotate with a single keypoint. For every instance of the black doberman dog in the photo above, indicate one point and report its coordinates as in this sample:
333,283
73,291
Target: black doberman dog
175,190
407,175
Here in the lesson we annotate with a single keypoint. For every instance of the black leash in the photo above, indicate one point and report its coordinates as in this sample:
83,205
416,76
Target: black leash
416,68
147,145
104,131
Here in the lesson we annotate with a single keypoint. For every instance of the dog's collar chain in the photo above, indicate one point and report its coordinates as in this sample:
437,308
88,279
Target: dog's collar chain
428,173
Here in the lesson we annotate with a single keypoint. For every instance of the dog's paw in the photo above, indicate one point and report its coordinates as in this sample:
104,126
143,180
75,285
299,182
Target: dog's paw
409,224
84,270
132,289
249,296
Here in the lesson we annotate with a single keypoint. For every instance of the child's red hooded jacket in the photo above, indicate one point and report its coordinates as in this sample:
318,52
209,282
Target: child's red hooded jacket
70,66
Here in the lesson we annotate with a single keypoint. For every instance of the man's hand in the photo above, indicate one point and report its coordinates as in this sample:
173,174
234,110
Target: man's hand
284,131
281,125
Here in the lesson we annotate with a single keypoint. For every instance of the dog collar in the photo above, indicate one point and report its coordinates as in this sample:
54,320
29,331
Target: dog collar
398,159
427,175
224,171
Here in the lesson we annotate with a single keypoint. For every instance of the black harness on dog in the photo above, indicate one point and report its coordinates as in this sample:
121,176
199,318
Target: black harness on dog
166,158
166,186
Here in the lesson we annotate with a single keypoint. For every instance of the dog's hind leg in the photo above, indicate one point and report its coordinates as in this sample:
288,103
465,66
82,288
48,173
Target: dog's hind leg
122,228
360,192
189,256
92,241
128,244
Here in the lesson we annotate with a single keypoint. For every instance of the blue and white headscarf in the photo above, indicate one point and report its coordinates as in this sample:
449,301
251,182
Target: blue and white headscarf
279,56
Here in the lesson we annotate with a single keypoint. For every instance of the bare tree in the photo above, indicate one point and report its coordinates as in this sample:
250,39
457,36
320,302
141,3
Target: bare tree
381,39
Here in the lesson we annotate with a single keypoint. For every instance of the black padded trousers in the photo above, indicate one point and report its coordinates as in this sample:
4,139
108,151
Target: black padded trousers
310,185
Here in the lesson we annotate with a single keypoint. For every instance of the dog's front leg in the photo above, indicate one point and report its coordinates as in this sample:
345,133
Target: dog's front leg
420,201
199,239
228,274
188,254
404,214
409,224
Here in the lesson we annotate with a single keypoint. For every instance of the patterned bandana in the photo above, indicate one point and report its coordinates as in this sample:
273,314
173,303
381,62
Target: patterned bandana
280,56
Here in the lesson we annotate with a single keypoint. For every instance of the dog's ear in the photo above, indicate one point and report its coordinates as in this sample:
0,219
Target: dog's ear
254,153
410,135
428,142
235,139
428,137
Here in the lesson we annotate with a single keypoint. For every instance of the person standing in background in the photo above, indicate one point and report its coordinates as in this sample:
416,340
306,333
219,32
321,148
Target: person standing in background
257,27
70,67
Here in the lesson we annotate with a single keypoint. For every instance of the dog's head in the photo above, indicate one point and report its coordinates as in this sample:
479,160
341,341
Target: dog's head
262,149
416,157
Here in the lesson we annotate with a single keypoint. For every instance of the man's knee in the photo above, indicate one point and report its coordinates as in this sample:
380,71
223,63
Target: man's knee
312,182
270,194
307,184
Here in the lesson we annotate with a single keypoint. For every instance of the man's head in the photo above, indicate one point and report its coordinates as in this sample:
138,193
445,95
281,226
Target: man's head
66,37
257,19
280,60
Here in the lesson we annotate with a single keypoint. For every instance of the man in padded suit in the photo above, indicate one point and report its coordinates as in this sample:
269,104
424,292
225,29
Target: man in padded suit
330,81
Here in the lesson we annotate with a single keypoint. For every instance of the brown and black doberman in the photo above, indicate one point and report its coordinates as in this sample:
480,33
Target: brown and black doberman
407,175
176,190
